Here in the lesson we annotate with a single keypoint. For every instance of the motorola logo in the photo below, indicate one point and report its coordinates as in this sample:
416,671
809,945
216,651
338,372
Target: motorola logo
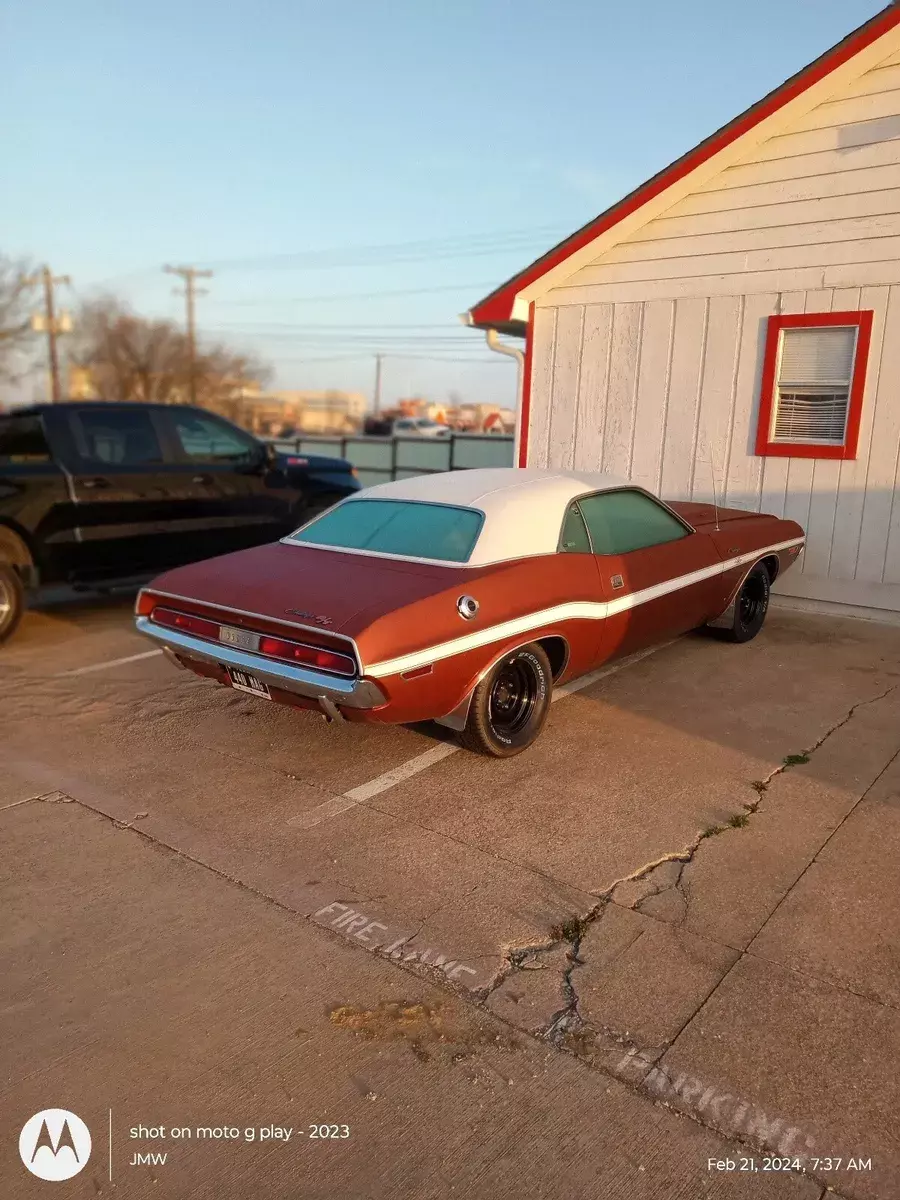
54,1144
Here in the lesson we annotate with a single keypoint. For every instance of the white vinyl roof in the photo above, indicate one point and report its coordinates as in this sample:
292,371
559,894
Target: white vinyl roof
523,507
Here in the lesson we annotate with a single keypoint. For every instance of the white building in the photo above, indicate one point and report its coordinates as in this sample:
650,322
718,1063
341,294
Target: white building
738,317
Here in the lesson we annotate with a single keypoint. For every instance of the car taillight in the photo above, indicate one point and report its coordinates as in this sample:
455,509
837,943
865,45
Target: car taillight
177,620
310,656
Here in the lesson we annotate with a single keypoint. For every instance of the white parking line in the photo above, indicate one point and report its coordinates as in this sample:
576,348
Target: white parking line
381,783
339,804
113,662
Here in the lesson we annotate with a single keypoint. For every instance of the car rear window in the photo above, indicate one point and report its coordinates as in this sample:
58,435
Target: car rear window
404,528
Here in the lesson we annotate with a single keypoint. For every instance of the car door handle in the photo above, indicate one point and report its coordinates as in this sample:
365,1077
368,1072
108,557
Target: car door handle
97,482
202,479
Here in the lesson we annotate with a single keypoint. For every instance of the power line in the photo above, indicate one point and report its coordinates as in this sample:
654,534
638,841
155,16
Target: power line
339,296
364,355
294,262
497,241
190,275
343,325
462,245
353,340
276,341
451,332
477,362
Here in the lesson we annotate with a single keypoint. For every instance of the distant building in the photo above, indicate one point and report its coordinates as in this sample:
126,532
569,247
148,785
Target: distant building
350,404
307,412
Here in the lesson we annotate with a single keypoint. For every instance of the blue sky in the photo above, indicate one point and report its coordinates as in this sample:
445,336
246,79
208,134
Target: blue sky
237,136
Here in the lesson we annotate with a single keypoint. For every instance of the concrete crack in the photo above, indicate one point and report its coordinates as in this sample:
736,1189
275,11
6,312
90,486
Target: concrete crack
796,760
739,820
568,1019
669,870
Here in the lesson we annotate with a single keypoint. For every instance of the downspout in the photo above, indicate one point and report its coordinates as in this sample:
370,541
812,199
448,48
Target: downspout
499,347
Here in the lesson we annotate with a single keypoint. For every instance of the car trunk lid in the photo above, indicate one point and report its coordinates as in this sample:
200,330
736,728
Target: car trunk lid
332,592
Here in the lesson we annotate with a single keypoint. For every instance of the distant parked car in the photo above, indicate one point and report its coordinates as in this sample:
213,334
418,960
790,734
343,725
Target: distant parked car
377,427
419,427
96,493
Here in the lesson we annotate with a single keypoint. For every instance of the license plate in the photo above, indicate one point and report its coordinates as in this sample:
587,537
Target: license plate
245,682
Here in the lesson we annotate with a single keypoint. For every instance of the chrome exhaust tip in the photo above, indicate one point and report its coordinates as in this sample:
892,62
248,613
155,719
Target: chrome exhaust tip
329,709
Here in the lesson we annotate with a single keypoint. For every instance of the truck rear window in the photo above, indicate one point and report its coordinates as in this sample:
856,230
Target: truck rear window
401,528
22,440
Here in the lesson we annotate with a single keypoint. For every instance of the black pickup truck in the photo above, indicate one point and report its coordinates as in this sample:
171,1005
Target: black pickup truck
95,493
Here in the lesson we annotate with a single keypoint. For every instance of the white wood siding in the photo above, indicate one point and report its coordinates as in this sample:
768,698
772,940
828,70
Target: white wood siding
647,362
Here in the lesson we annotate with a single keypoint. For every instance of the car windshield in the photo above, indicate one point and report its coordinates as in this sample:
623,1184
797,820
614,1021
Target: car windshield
404,528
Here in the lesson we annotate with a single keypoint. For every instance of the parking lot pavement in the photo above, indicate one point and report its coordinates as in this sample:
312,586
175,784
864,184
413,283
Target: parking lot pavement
601,891
204,1034
68,632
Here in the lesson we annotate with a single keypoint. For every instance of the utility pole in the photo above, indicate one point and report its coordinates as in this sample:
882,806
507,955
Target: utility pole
47,322
377,398
190,275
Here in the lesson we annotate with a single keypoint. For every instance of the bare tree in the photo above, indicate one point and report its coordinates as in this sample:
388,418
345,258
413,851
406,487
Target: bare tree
17,298
130,357
222,377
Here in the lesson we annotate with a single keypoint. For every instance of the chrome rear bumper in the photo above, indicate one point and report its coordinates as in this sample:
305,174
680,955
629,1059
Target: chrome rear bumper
313,685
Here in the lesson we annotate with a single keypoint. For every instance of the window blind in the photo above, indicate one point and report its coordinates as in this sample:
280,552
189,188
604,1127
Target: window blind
814,378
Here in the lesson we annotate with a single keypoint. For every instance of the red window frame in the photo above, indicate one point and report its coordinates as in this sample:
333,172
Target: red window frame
863,321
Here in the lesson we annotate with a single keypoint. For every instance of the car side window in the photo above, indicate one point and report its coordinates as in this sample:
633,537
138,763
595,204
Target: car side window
204,439
22,440
123,438
622,521
574,538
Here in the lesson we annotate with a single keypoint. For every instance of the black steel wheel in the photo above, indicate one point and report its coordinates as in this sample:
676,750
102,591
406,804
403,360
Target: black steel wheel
750,606
12,600
510,704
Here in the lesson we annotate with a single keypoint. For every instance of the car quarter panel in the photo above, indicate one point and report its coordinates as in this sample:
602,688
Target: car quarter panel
427,658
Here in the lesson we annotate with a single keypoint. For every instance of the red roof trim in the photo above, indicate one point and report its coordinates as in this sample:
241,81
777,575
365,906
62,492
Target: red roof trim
497,307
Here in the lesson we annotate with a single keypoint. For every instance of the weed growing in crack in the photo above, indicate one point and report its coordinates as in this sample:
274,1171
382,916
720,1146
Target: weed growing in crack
759,785
739,820
796,760
711,831
571,930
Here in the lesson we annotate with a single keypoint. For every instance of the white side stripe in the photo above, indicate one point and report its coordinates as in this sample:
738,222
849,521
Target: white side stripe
584,610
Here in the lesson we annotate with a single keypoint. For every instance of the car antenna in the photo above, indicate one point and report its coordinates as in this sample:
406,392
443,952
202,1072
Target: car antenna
712,471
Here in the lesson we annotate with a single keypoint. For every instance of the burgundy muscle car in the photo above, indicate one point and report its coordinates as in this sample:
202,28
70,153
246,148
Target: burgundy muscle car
464,597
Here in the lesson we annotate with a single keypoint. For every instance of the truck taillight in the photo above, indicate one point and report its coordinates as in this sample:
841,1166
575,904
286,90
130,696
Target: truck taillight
310,656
